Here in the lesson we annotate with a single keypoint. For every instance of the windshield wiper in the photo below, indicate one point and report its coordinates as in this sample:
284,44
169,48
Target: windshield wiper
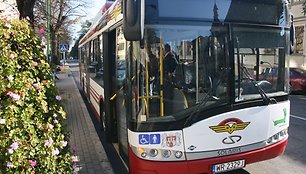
266,99
209,95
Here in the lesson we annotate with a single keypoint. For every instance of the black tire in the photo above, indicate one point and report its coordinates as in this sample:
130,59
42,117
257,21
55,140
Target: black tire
290,89
102,117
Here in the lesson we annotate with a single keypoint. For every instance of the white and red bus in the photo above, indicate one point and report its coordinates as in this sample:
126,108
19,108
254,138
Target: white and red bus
214,111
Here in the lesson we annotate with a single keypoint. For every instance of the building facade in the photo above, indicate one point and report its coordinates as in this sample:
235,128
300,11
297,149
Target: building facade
298,59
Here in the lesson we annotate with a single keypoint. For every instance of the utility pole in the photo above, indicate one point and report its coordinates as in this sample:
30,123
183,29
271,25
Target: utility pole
48,10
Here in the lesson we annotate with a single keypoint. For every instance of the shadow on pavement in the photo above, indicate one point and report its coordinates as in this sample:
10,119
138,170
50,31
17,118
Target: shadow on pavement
117,164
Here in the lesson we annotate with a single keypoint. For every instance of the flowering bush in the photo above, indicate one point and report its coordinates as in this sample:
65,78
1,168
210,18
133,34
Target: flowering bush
32,136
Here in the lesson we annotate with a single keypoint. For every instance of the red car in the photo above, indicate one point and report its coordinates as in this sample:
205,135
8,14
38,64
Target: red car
297,80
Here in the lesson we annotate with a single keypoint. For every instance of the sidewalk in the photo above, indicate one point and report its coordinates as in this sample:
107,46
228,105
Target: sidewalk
92,156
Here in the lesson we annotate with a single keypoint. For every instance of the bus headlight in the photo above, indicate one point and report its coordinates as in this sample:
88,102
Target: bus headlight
277,137
143,154
178,154
269,140
166,153
153,152
158,154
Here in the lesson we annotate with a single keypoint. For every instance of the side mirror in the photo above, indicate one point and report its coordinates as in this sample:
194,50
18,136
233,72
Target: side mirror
292,35
133,19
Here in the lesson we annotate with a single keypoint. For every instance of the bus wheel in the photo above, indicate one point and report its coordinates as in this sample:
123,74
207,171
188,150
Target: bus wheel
290,88
102,118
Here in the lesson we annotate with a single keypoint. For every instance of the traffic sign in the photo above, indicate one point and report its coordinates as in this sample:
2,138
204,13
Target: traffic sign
64,47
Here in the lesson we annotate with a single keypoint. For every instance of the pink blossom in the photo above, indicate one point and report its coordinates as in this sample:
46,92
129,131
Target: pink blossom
7,25
49,126
12,56
55,152
32,163
58,98
55,121
9,164
2,121
49,142
10,93
35,64
3,17
10,151
64,143
15,145
15,97
28,18
36,85
10,78
74,166
42,31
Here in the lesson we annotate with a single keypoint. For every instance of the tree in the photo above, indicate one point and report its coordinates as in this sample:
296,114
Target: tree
84,28
63,14
25,8
33,136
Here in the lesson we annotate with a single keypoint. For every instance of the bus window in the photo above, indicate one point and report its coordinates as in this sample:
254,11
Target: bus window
121,62
199,58
98,66
92,63
252,48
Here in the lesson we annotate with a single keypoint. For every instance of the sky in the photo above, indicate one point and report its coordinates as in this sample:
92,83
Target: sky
92,10
96,6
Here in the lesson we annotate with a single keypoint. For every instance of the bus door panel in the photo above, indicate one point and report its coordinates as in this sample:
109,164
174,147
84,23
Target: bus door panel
121,103
87,73
109,50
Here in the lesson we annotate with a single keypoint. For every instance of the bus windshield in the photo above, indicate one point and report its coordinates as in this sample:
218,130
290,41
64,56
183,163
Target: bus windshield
260,62
184,68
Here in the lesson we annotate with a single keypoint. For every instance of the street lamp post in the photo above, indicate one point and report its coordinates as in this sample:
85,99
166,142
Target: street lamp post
48,10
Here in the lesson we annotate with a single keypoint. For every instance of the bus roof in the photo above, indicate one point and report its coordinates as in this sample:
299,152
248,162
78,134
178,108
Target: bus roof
262,12
104,15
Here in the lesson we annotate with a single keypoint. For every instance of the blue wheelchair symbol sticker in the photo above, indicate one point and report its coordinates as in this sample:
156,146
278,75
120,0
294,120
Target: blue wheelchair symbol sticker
144,139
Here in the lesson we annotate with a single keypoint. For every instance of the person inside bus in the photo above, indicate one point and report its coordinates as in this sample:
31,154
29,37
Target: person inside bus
169,63
153,68
153,64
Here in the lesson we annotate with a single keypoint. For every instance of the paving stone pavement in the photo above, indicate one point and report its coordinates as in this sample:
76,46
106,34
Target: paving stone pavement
90,153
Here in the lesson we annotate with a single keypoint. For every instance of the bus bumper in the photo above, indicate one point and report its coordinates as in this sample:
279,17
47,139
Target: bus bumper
202,166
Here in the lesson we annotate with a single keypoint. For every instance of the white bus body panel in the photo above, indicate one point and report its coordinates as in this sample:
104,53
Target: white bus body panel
225,134
221,131
96,94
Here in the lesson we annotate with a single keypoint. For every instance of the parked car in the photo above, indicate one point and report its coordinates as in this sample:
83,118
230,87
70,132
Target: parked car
64,62
58,68
297,80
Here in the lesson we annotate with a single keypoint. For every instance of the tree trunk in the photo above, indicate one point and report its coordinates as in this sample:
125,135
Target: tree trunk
54,53
25,8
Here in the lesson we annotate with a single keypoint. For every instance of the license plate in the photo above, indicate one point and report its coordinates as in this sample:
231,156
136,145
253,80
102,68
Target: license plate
223,167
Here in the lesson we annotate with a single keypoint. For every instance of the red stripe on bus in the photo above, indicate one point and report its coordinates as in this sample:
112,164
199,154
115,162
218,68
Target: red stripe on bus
140,166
